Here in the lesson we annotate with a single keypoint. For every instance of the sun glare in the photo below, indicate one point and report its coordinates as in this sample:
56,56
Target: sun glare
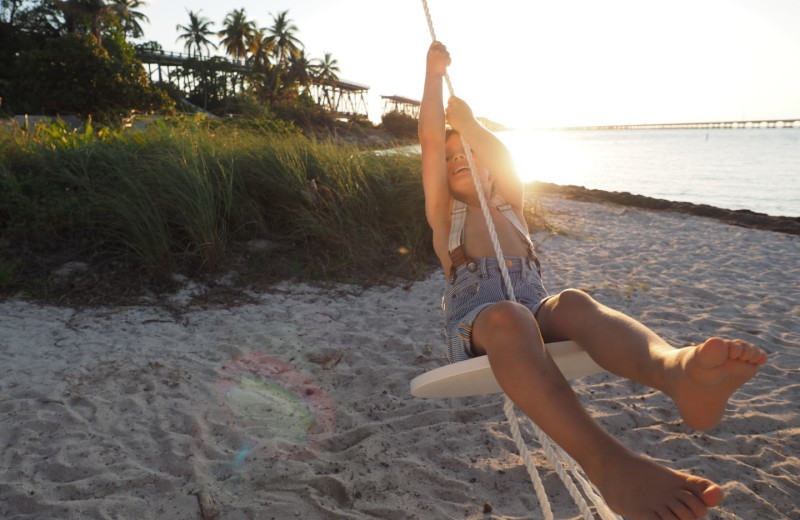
547,157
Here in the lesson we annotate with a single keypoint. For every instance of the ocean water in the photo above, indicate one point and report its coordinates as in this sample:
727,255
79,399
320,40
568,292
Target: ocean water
755,168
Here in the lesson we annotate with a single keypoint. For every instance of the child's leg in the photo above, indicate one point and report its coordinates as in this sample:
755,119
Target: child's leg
632,485
700,379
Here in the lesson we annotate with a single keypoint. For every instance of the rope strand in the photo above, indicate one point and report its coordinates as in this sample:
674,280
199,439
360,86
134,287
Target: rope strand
536,480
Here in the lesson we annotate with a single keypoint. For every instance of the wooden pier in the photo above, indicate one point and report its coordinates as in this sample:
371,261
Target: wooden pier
177,59
407,106
185,70
343,98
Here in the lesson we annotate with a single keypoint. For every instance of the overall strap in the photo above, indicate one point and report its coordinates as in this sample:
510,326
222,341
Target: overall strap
454,245
458,218
508,211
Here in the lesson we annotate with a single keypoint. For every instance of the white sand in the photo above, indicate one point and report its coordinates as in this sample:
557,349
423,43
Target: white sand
297,405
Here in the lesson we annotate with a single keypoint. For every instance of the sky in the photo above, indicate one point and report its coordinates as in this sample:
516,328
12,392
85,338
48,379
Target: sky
550,63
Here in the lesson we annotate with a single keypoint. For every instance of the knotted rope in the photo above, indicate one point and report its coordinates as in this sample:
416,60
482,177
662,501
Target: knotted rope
556,455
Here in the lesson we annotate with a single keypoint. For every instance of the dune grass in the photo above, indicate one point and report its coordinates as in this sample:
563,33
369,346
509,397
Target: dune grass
202,198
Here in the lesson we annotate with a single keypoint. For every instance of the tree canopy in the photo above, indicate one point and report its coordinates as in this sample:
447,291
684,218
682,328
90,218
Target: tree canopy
73,56
72,74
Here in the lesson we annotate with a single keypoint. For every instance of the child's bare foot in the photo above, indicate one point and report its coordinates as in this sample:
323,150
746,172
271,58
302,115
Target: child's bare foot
702,378
639,488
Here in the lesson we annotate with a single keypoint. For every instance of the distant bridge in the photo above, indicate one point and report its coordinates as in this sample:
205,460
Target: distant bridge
760,123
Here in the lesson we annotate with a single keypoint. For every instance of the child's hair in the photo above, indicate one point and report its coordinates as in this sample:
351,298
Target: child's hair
450,132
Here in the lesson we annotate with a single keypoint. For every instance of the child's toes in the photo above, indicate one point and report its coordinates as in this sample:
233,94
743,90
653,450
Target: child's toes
735,349
746,351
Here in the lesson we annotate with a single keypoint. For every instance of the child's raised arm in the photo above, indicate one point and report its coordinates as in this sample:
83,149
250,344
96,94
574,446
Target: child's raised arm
432,140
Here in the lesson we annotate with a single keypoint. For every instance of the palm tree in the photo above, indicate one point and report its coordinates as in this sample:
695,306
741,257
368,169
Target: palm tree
259,48
326,73
196,33
128,17
326,70
263,75
300,69
283,36
237,33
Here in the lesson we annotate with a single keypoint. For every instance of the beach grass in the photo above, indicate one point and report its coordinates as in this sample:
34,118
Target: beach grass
198,198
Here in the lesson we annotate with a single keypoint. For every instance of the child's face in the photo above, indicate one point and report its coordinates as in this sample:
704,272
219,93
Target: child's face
459,177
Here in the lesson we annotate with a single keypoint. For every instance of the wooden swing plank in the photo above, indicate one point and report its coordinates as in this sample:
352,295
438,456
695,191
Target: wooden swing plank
475,377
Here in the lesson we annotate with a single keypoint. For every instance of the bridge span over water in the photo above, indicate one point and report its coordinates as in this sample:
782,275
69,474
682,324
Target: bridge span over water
759,123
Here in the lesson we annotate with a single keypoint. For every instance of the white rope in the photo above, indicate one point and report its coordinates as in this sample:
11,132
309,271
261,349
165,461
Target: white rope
556,455
538,486
554,452
588,488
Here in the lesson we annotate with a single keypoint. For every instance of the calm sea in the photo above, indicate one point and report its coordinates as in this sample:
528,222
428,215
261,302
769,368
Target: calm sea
756,168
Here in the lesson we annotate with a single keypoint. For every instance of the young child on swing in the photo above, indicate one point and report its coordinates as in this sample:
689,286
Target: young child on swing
700,379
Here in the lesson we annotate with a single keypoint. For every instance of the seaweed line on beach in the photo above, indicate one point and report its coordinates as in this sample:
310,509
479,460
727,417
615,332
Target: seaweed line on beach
741,217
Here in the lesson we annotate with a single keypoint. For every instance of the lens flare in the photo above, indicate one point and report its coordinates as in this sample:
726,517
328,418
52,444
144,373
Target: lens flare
271,403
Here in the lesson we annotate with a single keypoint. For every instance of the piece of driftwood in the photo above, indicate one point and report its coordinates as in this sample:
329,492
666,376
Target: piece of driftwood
207,508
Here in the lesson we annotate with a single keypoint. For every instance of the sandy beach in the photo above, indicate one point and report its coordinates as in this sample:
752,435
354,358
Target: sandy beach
296,403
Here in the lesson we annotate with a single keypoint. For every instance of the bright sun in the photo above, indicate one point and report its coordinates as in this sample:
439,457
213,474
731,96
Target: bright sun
547,157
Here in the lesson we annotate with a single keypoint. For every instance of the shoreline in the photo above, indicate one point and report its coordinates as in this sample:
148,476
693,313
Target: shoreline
741,217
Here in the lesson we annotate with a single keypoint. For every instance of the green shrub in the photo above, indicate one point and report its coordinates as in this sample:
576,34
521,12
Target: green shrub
400,125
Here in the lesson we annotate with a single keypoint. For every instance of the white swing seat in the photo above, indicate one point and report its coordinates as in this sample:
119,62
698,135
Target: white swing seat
475,377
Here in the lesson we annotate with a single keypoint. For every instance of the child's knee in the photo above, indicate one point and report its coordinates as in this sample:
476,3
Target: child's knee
575,300
570,309
505,318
